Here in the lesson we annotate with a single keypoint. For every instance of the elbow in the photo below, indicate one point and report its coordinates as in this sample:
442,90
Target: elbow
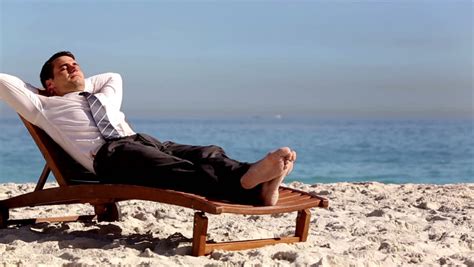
116,76
12,83
4,77
5,83
5,80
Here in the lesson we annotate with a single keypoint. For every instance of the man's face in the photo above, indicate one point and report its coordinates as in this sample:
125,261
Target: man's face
68,77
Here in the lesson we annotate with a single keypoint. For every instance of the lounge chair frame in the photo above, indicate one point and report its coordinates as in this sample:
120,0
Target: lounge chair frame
76,185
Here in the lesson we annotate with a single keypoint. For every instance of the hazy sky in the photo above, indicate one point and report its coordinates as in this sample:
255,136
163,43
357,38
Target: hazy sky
320,58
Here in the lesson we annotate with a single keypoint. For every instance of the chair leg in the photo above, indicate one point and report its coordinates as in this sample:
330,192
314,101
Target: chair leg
302,224
4,215
199,234
108,212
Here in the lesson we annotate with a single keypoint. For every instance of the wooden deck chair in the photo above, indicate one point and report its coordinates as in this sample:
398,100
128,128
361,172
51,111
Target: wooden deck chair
77,185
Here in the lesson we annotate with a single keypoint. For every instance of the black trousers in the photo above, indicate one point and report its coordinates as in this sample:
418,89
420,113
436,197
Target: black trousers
143,160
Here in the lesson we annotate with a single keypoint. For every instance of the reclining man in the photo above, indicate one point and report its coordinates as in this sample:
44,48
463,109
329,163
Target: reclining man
83,116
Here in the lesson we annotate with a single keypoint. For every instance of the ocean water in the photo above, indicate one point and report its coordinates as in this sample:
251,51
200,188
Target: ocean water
389,151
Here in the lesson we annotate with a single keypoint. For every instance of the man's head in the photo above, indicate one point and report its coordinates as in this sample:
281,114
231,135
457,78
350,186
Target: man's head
61,74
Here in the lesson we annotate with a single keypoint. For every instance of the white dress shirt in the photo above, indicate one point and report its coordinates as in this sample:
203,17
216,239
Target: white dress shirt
67,119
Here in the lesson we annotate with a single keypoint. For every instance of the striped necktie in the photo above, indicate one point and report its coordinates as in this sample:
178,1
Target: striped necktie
100,117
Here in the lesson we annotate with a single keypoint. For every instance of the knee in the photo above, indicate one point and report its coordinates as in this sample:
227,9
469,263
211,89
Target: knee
213,151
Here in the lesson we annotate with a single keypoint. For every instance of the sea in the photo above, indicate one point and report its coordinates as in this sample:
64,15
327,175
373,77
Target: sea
434,151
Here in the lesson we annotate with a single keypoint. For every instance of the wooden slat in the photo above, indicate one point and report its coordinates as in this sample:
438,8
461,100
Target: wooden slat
249,244
292,201
73,218
291,197
284,193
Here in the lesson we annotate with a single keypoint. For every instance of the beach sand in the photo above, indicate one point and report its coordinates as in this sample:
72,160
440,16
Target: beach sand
367,224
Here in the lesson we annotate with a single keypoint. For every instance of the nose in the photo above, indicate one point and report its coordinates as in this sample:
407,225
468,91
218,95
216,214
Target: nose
71,68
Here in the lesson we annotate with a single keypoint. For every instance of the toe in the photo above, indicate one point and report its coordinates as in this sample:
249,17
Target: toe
283,151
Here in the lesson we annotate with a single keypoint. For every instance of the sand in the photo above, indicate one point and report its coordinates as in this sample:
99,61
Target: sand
367,224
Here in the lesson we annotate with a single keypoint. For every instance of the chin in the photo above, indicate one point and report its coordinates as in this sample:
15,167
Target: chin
79,83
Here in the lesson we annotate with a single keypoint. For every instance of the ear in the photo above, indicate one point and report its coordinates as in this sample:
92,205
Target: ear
50,87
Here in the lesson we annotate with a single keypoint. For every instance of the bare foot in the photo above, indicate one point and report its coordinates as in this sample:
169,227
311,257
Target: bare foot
273,165
270,194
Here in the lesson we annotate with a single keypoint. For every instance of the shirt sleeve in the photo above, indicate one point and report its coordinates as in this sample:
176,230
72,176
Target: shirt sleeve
21,96
108,88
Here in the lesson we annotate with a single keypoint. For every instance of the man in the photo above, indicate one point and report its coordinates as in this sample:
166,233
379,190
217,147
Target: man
107,146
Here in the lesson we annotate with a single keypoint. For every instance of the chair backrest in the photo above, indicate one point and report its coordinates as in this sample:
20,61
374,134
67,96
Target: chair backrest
66,170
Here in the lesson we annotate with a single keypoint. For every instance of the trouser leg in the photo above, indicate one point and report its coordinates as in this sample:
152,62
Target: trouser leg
140,160
143,160
215,163
211,159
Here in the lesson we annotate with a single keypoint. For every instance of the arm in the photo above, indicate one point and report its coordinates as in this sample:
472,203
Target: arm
108,88
20,96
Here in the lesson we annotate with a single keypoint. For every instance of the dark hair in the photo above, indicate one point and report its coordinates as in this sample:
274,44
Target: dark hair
47,69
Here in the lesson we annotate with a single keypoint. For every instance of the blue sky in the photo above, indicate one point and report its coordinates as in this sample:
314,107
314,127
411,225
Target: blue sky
317,58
